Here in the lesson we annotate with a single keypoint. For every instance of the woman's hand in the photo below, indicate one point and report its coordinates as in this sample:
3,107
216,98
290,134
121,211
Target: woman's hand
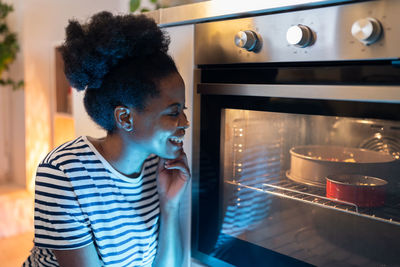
173,175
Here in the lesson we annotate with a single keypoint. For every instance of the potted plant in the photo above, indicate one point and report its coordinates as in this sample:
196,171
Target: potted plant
8,47
135,5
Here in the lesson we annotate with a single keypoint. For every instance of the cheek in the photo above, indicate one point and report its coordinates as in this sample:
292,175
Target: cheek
168,124
165,128
157,129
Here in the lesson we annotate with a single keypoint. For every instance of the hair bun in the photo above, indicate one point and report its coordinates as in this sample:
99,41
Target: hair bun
74,31
91,50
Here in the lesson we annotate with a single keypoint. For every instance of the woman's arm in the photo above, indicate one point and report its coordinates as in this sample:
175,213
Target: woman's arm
81,257
173,176
170,250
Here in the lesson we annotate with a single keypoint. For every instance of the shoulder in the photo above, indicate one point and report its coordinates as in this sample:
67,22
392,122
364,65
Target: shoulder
68,157
68,152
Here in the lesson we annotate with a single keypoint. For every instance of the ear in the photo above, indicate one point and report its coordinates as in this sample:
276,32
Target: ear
123,118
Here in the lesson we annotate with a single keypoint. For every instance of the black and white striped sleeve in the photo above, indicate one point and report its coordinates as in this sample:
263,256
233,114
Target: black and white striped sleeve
59,221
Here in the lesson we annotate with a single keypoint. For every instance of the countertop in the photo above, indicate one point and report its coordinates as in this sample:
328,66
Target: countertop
225,9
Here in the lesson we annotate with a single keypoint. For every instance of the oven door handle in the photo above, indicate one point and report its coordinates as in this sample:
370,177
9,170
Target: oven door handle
387,94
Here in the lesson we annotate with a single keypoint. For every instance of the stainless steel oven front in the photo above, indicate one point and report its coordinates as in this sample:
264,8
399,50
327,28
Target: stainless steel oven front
298,122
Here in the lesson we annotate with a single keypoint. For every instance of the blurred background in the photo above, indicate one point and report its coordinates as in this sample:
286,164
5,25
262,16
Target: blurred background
36,102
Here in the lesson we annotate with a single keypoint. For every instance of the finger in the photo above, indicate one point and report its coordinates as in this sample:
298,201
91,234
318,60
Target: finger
180,162
180,166
182,157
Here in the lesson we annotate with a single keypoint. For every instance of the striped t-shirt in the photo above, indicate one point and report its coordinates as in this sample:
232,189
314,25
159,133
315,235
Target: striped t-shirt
80,198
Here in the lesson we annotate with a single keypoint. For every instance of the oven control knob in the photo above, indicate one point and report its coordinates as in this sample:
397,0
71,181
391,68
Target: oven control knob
367,30
247,40
300,35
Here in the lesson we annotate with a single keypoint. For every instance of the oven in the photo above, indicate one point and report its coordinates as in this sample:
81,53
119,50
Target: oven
297,117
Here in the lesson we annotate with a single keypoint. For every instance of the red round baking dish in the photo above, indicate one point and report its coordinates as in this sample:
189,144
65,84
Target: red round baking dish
364,191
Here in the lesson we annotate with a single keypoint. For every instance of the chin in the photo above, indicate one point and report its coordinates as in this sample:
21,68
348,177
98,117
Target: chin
171,154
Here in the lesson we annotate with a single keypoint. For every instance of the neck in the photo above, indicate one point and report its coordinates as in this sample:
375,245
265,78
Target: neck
125,157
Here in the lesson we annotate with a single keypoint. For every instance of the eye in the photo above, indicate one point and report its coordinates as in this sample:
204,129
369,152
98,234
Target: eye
176,113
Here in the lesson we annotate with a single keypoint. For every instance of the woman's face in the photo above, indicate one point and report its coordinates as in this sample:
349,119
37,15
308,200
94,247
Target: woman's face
159,129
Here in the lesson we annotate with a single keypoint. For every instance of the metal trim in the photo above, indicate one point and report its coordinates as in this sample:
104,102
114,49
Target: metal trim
210,11
387,94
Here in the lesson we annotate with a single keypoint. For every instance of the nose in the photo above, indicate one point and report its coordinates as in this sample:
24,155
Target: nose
183,121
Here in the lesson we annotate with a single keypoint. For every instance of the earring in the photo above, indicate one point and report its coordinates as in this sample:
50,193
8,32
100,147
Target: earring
129,129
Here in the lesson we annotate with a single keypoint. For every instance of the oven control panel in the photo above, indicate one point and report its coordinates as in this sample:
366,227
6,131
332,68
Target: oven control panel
365,30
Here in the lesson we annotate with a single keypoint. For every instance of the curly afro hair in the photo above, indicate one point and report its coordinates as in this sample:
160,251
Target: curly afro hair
118,60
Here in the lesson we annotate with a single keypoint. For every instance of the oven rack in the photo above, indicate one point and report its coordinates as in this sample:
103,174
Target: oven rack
316,196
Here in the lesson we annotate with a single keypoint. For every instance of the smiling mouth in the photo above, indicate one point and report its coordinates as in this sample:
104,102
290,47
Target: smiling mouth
178,141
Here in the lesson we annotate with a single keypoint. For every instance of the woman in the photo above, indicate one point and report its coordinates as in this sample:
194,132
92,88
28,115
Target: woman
114,201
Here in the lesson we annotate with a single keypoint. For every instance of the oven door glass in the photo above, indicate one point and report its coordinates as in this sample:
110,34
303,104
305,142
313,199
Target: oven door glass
293,182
